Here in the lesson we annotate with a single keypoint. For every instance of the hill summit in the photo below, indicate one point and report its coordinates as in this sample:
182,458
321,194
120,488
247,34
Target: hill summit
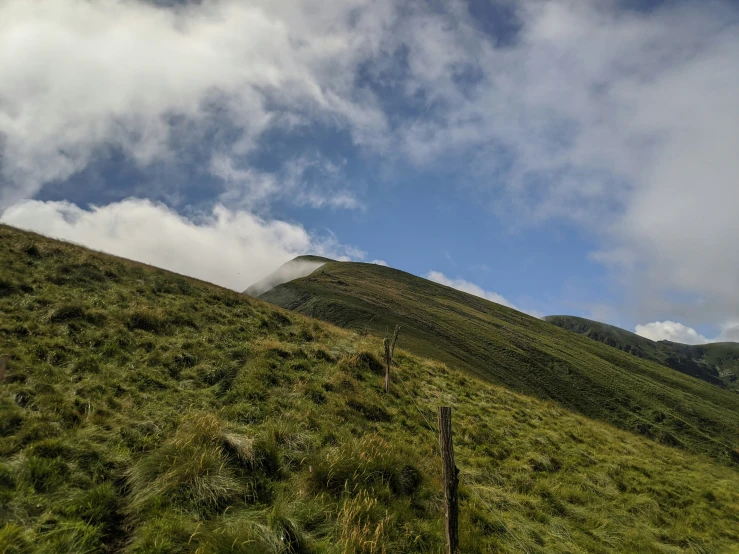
294,269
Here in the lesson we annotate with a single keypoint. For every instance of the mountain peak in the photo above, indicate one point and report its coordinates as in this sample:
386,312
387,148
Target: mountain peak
301,266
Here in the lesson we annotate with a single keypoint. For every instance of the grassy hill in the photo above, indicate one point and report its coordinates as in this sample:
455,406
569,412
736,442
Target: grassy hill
716,363
145,412
523,353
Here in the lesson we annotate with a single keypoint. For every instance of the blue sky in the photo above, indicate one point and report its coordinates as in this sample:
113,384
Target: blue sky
560,156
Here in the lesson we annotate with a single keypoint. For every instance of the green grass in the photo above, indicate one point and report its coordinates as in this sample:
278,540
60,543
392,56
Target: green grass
523,353
146,412
716,363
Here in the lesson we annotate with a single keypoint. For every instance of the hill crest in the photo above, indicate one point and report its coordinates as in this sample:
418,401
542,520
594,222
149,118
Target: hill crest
294,269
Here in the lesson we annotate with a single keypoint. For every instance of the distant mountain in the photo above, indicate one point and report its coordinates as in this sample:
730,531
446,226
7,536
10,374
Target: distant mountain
520,352
716,363
295,268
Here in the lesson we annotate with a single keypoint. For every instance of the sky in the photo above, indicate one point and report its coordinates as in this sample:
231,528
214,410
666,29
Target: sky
557,156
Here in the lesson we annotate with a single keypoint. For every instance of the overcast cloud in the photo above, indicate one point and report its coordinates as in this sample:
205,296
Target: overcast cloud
623,122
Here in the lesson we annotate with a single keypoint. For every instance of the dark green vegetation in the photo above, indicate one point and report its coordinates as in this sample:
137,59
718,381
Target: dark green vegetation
526,354
144,412
716,363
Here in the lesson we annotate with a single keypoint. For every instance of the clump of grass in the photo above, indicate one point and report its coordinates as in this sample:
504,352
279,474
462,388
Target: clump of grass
372,412
86,364
362,362
363,464
31,250
146,319
67,312
100,506
13,539
191,470
242,533
363,524
11,419
168,533
7,288
288,530
45,474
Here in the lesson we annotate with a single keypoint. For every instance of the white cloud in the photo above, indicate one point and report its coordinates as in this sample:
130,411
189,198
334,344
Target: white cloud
229,248
677,332
728,331
80,76
672,331
379,262
254,189
476,290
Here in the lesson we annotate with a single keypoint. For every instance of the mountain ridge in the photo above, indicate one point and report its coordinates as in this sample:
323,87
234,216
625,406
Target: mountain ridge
716,363
518,351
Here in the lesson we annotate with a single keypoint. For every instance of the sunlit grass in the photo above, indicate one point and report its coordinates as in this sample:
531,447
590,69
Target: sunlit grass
146,412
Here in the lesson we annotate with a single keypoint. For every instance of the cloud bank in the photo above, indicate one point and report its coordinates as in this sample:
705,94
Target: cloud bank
229,248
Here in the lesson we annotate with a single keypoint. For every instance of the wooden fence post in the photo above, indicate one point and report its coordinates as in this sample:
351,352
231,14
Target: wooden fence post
450,476
386,343
3,365
389,353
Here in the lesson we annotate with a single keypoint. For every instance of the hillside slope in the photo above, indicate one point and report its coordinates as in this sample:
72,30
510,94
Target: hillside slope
521,352
716,363
145,412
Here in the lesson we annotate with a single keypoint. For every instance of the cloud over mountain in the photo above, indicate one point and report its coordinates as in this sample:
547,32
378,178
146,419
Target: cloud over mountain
232,249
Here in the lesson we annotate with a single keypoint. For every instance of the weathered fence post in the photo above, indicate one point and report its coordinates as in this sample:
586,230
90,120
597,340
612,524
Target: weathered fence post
389,353
3,364
450,476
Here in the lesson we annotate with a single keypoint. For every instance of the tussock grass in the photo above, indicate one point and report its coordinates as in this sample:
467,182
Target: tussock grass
216,423
191,470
